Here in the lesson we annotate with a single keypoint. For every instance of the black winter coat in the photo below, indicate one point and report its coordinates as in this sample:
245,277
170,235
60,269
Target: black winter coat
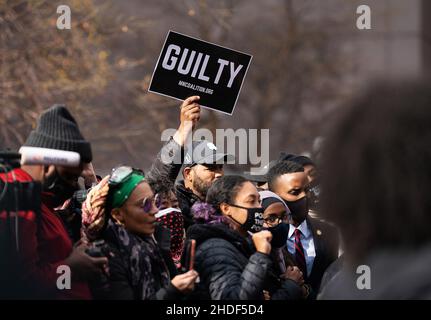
161,171
230,269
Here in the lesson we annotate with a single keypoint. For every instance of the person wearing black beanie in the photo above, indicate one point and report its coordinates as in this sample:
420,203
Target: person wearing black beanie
42,241
57,129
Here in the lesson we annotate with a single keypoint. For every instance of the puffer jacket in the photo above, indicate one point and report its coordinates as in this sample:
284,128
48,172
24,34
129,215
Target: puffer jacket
230,269
161,171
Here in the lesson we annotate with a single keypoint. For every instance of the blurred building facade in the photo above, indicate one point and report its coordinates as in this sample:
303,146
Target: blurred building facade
399,43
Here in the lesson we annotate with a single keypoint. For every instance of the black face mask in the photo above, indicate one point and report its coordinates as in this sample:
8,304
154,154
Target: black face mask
61,189
279,235
254,222
298,209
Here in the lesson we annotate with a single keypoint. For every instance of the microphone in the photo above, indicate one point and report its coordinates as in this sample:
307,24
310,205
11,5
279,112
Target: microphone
45,156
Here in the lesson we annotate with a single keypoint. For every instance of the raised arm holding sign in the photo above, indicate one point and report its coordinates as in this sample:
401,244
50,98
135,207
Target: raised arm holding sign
189,115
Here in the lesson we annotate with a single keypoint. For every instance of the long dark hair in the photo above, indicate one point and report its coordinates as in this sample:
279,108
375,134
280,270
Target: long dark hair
377,169
224,190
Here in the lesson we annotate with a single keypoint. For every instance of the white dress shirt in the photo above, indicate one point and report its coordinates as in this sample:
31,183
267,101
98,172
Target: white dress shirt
306,241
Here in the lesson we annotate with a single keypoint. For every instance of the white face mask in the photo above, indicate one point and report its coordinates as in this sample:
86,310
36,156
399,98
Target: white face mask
164,212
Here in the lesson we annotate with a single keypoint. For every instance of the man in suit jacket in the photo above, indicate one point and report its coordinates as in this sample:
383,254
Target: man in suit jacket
313,242
326,243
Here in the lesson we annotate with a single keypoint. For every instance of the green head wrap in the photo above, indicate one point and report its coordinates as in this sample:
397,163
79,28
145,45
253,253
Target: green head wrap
123,191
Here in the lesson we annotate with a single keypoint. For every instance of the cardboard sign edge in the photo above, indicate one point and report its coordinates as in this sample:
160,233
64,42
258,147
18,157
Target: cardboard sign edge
165,95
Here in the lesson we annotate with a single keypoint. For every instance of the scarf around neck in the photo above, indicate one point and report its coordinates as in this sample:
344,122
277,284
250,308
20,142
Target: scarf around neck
144,260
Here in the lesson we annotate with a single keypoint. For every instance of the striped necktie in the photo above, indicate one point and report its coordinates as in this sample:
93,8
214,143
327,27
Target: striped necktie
299,253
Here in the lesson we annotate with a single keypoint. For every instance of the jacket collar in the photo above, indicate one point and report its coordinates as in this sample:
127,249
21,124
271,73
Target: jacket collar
187,193
203,232
303,227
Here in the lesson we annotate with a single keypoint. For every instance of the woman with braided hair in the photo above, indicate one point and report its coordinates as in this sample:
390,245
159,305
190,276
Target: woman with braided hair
121,211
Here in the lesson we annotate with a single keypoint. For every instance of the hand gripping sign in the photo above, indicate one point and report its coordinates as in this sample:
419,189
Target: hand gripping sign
189,66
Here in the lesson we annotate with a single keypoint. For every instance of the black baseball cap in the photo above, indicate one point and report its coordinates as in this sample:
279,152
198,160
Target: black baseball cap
205,152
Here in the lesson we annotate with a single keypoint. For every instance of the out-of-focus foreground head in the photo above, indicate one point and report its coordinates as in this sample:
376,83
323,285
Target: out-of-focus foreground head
377,169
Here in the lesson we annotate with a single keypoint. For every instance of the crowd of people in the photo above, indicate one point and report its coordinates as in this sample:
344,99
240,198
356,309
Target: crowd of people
147,235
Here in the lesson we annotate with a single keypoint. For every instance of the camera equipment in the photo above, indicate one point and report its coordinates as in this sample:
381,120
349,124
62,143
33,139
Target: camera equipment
98,249
18,196
77,200
72,214
10,160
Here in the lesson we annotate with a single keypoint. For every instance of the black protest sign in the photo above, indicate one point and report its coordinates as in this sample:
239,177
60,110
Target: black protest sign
189,67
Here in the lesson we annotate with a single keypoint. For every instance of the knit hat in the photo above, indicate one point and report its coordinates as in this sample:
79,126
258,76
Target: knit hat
57,129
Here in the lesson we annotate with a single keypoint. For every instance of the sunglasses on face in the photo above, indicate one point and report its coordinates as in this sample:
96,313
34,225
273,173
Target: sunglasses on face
148,203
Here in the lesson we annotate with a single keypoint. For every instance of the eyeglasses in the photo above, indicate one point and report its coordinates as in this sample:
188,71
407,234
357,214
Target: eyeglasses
274,220
148,203
121,173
